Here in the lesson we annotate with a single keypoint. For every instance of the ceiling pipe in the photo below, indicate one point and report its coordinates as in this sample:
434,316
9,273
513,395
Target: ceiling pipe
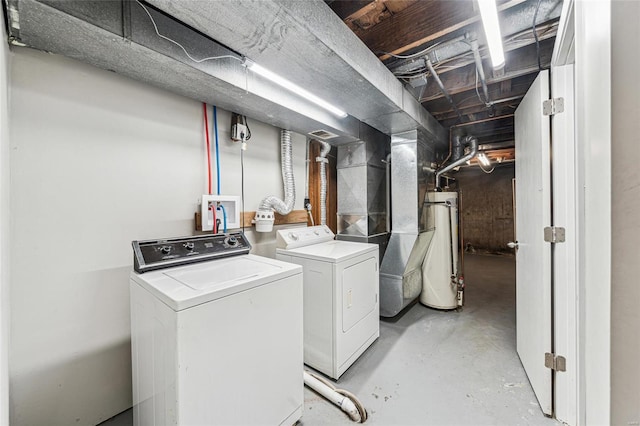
473,145
480,71
515,24
443,89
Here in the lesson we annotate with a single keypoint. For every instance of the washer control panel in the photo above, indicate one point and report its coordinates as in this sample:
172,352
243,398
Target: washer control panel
150,255
300,237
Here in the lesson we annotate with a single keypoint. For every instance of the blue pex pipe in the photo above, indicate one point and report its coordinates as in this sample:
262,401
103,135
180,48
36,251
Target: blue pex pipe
224,218
215,129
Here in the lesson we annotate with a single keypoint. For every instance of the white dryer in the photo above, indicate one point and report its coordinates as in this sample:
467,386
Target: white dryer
341,287
216,334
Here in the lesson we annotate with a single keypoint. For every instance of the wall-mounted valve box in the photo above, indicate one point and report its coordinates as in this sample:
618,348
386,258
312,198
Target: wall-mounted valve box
225,205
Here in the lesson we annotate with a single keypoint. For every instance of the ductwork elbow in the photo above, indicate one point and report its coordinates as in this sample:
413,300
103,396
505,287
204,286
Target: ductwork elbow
472,142
264,216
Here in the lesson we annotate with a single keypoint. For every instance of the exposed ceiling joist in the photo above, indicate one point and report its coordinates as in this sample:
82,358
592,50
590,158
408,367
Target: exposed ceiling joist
518,63
469,102
351,9
374,13
420,23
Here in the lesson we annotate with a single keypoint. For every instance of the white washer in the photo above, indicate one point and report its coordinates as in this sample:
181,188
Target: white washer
341,286
216,334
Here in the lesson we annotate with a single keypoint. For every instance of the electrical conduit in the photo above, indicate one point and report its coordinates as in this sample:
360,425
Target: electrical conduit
264,216
322,159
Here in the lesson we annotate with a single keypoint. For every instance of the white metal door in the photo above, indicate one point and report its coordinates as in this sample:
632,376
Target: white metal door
565,290
533,256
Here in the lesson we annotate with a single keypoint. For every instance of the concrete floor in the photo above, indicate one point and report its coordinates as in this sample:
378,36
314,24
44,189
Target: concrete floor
440,368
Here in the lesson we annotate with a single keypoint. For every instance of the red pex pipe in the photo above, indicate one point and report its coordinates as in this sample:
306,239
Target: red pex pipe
206,132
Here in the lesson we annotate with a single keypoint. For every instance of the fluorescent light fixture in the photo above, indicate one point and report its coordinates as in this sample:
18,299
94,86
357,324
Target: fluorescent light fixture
484,160
258,69
489,14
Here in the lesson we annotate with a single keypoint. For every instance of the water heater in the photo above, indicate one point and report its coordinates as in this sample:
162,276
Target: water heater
440,267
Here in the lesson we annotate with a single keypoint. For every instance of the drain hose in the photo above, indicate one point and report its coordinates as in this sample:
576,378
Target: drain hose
347,401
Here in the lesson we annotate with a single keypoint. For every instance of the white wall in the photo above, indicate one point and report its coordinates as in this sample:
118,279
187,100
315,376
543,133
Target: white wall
4,228
593,140
97,161
625,207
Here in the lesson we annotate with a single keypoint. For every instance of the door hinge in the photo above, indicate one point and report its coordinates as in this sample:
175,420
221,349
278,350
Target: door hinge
553,106
555,362
554,234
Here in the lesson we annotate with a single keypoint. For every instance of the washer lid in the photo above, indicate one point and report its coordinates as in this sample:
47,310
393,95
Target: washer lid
332,251
186,286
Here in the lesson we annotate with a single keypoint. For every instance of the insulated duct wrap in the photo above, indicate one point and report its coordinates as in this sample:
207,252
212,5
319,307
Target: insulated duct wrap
323,180
272,202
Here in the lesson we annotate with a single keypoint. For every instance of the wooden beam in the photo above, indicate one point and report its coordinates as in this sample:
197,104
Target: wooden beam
296,216
367,17
351,8
479,115
397,6
518,63
485,121
422,22
371,15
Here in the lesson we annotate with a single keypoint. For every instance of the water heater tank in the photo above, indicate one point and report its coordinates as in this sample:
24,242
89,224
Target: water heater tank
440,267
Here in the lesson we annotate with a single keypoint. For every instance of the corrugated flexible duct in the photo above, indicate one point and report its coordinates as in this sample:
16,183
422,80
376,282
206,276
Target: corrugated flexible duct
322,159
264,216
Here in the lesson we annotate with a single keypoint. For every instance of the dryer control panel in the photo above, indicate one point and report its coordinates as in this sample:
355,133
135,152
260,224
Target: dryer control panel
299,237
150,255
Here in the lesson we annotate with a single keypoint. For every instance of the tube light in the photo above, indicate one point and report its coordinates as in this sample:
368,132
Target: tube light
484,160
489,14
283,82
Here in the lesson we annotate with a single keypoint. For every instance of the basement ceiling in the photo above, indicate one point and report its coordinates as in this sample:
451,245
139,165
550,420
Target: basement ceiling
404,34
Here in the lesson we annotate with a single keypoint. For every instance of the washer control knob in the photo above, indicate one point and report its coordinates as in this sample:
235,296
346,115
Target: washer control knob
189,246
326,230
231,241
293,236
165,249
316,232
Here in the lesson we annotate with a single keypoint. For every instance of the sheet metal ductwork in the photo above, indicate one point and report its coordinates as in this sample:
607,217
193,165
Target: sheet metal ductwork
401,269
362,188
303,41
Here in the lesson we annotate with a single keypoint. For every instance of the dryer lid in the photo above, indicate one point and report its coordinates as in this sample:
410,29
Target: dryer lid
332,251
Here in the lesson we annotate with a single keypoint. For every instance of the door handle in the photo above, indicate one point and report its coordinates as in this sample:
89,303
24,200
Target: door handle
512,245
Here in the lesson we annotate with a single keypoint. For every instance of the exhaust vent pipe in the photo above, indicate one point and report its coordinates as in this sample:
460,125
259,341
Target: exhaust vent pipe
264,216
473,145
